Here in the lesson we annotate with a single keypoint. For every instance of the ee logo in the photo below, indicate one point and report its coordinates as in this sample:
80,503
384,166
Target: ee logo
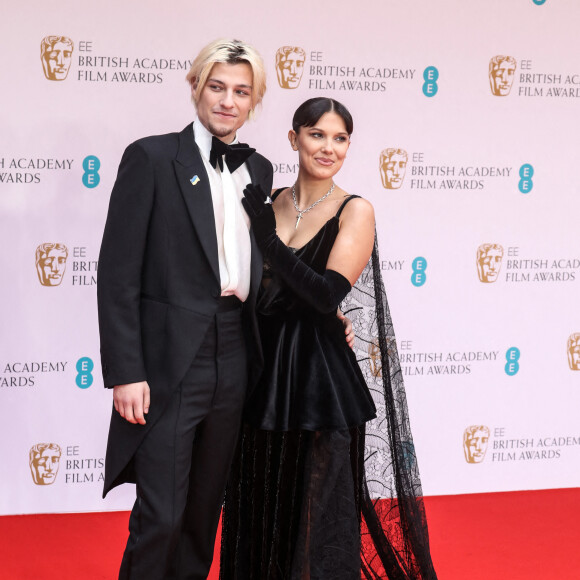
430,75
85,368
512,366
91,166
526,184
418,278
407,452
539,2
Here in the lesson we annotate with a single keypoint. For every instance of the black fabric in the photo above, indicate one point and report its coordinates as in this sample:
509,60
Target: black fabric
156,304
236,154
290,511
282,481
311,379
228,303
325,290
175,517
394,532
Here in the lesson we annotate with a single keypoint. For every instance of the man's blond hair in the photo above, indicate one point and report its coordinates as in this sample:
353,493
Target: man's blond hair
229,52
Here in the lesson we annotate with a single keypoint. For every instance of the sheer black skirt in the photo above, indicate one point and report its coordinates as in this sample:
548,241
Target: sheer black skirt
292,507
298,508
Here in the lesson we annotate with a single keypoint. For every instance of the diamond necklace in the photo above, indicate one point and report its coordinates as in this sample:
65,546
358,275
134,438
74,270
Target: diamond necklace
302,212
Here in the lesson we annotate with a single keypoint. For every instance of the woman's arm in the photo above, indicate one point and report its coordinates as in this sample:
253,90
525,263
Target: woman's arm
324,292
355,240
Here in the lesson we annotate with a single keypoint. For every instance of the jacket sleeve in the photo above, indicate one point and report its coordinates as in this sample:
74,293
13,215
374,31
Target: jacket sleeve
265,175
119,270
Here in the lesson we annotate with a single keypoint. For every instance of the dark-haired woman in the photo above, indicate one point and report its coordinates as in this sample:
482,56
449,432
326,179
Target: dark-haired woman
310,497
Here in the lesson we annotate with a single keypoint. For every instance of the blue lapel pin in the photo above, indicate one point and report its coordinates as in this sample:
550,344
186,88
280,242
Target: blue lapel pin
194,180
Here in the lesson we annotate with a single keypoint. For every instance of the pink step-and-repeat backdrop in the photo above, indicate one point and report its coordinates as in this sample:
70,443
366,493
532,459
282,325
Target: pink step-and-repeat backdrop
466,142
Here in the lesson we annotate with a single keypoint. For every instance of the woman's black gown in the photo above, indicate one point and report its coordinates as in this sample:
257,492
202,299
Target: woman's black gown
325,484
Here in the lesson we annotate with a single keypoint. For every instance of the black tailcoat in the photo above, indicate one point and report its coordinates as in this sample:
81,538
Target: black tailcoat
158,279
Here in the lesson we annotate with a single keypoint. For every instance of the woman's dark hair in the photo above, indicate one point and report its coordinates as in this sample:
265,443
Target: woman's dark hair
309,113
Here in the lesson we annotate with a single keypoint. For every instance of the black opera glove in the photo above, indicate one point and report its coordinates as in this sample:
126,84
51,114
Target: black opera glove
323,292
258,206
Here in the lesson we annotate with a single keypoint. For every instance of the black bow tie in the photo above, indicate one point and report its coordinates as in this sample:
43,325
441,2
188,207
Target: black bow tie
235,154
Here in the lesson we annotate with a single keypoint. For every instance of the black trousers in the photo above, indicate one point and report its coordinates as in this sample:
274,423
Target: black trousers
183,464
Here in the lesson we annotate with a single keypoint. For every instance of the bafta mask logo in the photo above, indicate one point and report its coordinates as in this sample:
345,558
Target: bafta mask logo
574,351
290,66
51,263
475,440
502,70
44,463
375,358
56,55
393,165
489,257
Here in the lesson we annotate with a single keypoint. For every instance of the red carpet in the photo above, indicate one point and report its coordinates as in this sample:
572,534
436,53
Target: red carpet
502,536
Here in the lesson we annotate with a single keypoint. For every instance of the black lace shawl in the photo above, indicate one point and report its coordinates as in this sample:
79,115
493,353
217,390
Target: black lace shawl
395,539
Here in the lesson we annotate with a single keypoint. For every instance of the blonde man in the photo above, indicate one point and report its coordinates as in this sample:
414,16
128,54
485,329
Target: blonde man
178,277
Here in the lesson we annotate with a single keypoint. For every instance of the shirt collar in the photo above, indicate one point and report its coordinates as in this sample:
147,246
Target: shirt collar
203,138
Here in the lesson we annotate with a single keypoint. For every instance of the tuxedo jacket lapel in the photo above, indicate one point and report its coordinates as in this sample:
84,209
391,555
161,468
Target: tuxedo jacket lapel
195,188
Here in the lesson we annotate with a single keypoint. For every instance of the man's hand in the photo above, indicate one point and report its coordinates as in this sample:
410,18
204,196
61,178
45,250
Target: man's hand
348,331
132,401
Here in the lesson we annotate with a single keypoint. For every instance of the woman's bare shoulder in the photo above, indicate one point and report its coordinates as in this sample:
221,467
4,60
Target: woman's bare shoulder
358,208
279,198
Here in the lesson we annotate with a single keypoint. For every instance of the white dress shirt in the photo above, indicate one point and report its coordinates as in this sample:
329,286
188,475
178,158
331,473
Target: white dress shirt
231,221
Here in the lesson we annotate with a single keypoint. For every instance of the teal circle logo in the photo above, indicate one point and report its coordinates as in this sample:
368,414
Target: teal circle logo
419,277
526,184
430,76
407,454
512,356
539,2
91,166
84,368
